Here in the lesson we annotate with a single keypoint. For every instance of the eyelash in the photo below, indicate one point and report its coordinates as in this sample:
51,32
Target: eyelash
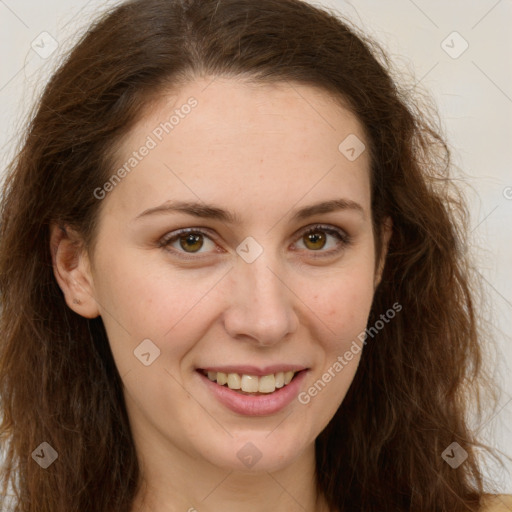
344,240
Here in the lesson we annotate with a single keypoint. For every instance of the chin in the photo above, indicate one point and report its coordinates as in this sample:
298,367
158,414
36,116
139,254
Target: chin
263,451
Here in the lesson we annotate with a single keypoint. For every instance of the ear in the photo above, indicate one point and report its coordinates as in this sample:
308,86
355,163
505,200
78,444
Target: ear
386,232
72,270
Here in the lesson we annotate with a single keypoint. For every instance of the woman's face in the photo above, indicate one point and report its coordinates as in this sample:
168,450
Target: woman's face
249,170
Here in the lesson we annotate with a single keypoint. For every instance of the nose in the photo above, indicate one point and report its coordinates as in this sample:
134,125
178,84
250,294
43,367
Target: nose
261,305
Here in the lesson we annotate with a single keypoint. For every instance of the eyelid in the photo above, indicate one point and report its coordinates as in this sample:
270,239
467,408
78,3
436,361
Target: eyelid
344,240
166,240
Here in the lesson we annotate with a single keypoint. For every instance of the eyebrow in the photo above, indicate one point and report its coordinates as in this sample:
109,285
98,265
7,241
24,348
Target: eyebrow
207,211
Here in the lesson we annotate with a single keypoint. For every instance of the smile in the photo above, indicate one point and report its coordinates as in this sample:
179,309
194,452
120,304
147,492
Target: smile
248,394
251,384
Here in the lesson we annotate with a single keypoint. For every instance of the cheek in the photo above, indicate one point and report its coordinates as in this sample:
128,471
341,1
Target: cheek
344,303
147,298
344,307
141,302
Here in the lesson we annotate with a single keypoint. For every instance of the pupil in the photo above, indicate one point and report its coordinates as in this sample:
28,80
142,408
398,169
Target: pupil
189,241
316,238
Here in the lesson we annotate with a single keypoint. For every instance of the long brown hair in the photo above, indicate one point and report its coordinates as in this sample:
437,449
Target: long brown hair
58,381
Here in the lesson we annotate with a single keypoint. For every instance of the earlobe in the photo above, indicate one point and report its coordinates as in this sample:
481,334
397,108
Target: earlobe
387,230
72,271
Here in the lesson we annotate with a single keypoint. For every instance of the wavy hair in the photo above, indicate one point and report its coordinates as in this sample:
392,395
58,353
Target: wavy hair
410,397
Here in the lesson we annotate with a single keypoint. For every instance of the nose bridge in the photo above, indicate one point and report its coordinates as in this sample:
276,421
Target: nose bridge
265,287
261,306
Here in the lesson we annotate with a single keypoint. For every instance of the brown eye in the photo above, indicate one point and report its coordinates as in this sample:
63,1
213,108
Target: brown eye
191,242
326,241
188,241
314,240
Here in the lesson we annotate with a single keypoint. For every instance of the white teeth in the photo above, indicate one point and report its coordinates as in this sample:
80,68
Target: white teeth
252,383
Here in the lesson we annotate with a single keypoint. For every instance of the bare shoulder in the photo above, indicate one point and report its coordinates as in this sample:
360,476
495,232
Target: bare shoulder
497,503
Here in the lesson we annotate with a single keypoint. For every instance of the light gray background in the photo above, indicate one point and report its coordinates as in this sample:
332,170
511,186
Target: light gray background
473,92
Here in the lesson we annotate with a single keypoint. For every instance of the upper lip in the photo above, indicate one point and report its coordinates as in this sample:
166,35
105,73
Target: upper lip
255,370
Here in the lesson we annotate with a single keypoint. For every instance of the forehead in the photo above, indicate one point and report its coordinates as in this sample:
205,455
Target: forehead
250,144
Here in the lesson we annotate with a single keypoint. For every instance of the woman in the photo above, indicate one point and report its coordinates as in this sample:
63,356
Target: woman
231,279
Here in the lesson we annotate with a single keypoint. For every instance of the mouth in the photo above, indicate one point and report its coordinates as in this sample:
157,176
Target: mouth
248,384
251,391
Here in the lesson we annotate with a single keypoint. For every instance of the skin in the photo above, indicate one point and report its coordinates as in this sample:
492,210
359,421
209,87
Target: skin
261,152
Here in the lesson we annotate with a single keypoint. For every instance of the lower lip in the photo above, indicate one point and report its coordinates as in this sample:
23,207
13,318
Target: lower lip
259,405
